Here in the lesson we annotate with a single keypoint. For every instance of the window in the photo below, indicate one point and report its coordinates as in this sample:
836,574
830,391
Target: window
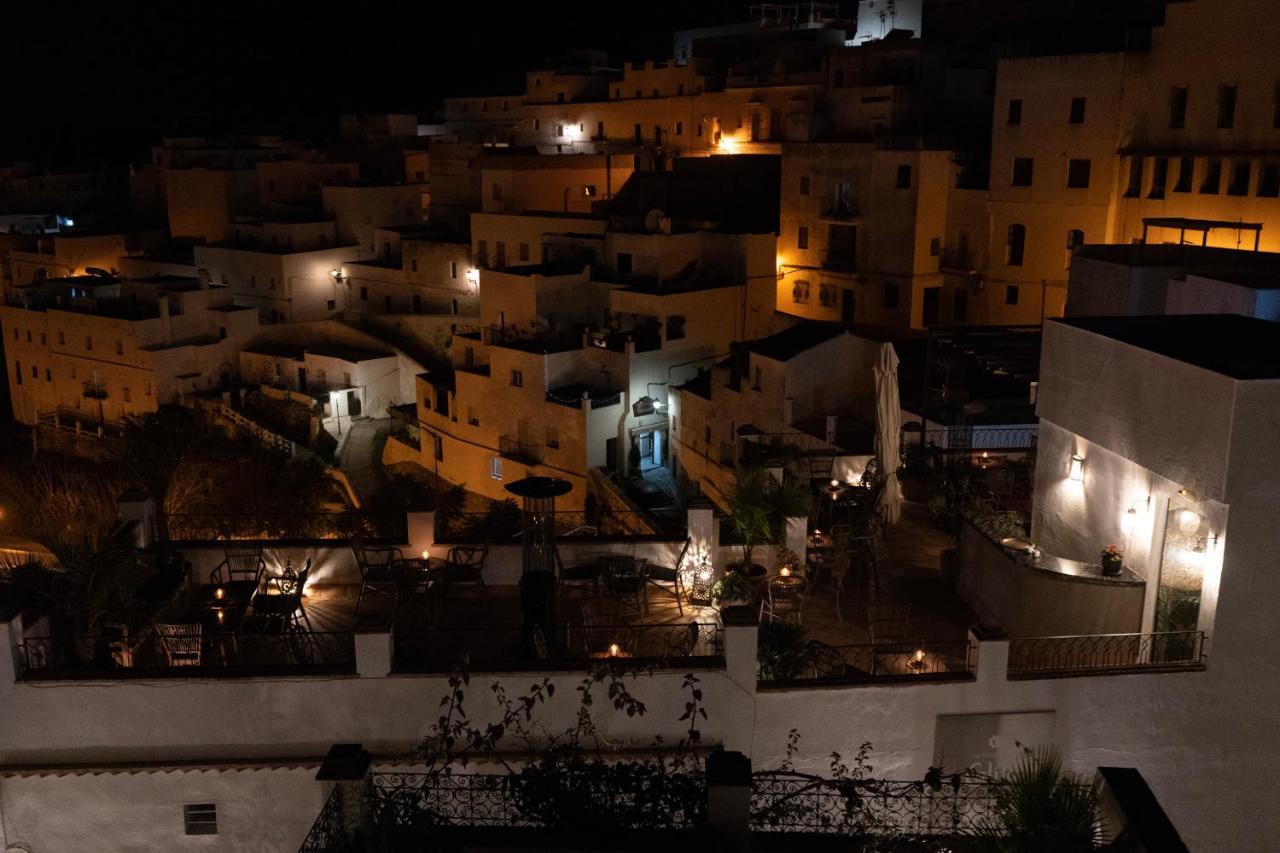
935,246
48,375
1226,107
804,185
1269,180
960,312
1241,171
600,130
800,292
1011,294
386,304
679,128
517,378
889,297
495,467
756,384
675,327
439,443
200,819
1275,106
1186,170
524,251
1212,182
497,188
17,371
553,438
1077,111
589,191
62,339
128,395
1177,107
88,342
1075,239
1078,174
253,281
1023,170
1015,111
1015,245
364,294
453,269
1135,178
413,265
802,237
828,295
1159,177
35,372
624,263
472,417
904,178
119,347
147,389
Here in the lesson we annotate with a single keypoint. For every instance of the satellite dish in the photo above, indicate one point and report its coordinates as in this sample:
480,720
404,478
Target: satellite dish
653,220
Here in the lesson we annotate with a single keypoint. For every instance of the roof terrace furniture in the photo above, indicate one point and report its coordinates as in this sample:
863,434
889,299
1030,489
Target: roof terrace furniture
277,614
783,599
625,576
182,644
599,624
377,570
241,571
464,566
670,577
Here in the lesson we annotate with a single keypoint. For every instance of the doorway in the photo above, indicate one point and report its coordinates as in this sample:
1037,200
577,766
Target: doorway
929,308
846,306
302,379
353,404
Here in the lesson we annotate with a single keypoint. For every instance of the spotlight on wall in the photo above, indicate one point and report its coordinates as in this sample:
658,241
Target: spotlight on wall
1189,521
1077,467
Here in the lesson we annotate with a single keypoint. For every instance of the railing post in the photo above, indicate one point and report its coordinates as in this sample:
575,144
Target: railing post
729,799
10,637
374,652
347,768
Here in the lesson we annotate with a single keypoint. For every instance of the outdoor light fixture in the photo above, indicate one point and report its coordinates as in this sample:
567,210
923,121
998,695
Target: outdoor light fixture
426,555
473,276
337,275
785,572
917,663
700,583
1189,521
1077,467
614,650
835,484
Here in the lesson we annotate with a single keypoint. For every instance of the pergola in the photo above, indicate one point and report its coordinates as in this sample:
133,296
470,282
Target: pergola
1202,226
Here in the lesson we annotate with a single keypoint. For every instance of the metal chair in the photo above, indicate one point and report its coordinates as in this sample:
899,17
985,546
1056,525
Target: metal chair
599,624
464,566
241,570
839,570
670,578
377,570
182,644
782,601
626,577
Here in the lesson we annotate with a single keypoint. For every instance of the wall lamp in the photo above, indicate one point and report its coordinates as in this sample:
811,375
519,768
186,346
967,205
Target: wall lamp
1077,467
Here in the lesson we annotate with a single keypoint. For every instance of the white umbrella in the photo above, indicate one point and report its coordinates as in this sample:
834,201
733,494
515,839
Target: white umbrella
888,433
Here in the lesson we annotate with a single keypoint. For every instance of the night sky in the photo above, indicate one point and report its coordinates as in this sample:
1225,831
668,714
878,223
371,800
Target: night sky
102,81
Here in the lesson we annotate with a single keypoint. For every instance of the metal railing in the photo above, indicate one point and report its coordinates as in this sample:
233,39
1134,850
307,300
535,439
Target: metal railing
492,799
871,662
534,341
327,832
335,526
1048,657
785,801
963,439
460,527
220,655
570,646
513,448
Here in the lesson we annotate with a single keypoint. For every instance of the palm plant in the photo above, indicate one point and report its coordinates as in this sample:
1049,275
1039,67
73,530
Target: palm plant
760,504
1041,807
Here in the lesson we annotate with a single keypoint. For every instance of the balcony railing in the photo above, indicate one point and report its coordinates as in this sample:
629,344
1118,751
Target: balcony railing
1052,657
227,655
327,832
879,662
967,438
95,390
838,212
512,448
337,526
433,650
569,524
840,261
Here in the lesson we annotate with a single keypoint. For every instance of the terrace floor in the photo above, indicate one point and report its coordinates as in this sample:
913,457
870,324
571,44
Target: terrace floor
909,574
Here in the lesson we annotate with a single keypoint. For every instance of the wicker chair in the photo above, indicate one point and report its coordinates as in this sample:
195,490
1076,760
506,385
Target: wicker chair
464,566
626,578
241,571
182,644
782,602
887,623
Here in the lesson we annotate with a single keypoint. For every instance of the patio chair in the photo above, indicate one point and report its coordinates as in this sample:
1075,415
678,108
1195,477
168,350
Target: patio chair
181,644
782,601
600,618
377,570
278,614
670,577
241,571
887,623
464,566
575,577
839,571
626,578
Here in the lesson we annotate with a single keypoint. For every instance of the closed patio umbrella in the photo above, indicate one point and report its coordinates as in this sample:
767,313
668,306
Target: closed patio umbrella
888,433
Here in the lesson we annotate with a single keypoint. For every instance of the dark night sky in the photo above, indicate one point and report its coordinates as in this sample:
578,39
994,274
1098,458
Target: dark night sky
104,80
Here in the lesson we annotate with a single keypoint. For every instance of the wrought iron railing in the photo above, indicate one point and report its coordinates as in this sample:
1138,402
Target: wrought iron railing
204,527
569,524
1047,657
570,646
513,448
327,832
970,438
476,799
211,655
850,664
785,801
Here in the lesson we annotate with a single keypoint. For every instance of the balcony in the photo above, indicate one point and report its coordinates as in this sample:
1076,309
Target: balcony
836,211
95,389
533,341
840,261
958,260
515,449
1057,657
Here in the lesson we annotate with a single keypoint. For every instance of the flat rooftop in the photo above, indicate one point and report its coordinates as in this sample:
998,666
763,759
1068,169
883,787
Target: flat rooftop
1173,255
787,344
1229,344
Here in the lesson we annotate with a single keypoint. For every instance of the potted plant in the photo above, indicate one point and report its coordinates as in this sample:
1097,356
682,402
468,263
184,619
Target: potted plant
731,590
1112,560
760,504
